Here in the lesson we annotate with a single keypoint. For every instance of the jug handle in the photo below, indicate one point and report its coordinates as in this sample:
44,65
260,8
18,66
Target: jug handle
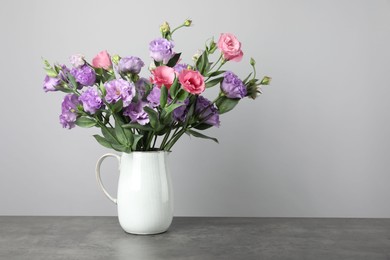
98,178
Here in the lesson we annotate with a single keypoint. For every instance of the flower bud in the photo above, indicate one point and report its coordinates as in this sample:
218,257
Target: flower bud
253,62
164,28
115,59
265,81
187,22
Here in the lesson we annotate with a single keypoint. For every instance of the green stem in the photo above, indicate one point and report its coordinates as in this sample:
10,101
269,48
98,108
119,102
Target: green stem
212,67
174,140
154,142
220,65
174,30
165,140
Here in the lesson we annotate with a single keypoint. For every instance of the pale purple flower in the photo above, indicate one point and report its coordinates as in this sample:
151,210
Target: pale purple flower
69,111
161,50
119,89
77,60
232,86
137,113
180,113
206,111
84,75
91,100
50,84
130,64
141,86
154,97
179,67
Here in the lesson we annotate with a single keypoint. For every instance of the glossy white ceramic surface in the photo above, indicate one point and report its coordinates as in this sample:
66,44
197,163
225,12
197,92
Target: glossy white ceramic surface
145,196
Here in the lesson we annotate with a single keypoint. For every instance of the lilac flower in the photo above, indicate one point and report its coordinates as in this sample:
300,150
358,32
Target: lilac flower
141,86
84,75
161,50
179,67
207,112
119,89
130,64
50,84
180,113
137,113
91,100
232,86
77,60
154,97
69,111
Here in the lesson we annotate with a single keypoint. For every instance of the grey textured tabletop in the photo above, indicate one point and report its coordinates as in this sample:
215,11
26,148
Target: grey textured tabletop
195,238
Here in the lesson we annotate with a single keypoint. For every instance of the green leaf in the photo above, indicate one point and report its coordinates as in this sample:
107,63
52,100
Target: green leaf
163,96
138,126
172,107
182,95
51,73
216,73
174,88
214,82
85,122
203,63
225,104
153,117
202,126
117,106
72,80
199,135
136,140
172,62
119,147
102,141
120,134
109,134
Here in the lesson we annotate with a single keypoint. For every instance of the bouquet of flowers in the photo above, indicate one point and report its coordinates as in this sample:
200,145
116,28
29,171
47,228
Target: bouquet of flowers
132,111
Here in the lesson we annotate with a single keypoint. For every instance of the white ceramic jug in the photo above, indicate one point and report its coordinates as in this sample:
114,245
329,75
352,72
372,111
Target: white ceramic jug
145,196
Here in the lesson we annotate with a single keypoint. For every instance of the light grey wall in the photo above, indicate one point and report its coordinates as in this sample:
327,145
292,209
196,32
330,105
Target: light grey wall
316,144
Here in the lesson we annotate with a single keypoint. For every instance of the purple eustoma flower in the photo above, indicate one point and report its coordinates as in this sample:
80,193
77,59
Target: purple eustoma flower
84,75
77,60
69,111
180,113
91,100
130,64
232,86
207,112
161,50
50,84
119,89
141,86
179,67
137,113
154,97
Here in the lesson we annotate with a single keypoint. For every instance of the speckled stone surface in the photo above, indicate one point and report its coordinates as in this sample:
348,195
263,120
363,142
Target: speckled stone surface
195,238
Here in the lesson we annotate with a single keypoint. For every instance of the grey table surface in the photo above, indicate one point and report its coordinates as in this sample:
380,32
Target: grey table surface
195,238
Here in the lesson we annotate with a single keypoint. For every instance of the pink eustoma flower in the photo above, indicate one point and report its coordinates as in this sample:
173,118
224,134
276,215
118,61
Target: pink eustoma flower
163,75
192,81
102,60
230,47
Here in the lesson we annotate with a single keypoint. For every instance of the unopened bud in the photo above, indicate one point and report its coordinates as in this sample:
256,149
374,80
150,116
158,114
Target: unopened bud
164,28
115,59
253,62
266,80
187,22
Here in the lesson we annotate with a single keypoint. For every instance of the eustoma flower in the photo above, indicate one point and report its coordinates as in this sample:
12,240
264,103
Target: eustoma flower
230,47
207,112
137,113
232,86
84,75
69,111
130,64
161,50
192,81
154,97
102,60
50,84
119,89
163,75
91,100
77,60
